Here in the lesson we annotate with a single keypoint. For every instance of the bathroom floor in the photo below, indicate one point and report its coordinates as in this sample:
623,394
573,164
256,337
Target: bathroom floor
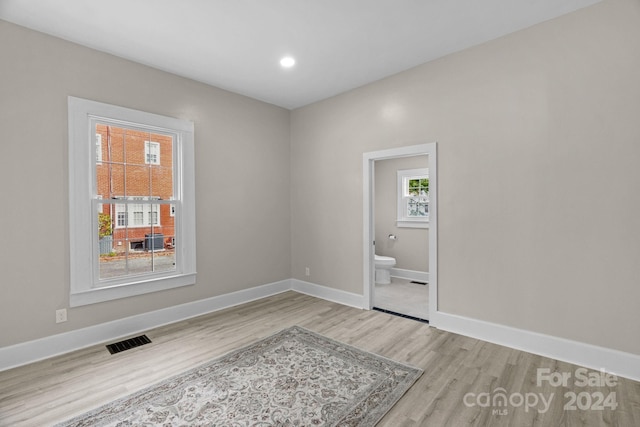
403,297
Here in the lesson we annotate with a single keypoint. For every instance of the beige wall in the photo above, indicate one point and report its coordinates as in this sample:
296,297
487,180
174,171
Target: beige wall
538,148
243,234
411,248
538,144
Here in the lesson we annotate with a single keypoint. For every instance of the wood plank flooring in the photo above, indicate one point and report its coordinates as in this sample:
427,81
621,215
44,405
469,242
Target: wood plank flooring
457,369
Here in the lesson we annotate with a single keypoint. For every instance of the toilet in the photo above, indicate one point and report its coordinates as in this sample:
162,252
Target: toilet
384,264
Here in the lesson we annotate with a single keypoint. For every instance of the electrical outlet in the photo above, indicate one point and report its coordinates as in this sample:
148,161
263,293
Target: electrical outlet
61,315
307,272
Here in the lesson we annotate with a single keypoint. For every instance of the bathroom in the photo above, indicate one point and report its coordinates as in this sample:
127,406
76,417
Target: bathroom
402,236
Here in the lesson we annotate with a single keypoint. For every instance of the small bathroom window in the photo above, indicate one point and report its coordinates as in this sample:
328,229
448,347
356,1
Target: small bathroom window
413,198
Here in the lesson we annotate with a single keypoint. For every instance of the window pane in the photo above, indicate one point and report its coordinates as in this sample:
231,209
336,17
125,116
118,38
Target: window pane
162,182
424,186
134,146
138,216
414,185
423,208
136,169
165,259
417,207
138,180
121,217
153,212
112,143
125,249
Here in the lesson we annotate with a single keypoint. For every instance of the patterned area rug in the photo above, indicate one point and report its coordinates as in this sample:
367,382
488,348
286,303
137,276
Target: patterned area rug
293,378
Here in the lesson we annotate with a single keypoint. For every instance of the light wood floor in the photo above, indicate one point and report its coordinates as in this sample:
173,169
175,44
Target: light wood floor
46,392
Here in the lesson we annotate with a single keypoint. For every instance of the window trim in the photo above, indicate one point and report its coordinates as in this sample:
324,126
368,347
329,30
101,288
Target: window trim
83,202
403,220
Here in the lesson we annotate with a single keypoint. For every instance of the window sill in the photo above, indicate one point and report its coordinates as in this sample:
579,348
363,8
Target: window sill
109,293
412,224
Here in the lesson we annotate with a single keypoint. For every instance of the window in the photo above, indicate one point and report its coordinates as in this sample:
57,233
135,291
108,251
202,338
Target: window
413,198
152,153
131,196
137,215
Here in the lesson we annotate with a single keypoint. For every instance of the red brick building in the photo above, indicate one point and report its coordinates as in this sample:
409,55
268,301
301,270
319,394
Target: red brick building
134,169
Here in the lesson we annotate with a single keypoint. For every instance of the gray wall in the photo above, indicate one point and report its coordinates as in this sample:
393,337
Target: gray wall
238,142
538,147
411,249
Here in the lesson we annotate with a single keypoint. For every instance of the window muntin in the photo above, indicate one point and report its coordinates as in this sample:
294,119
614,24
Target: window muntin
138,192
413,198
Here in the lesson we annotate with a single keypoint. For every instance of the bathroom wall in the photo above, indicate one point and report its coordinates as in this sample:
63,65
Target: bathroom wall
411,249
238,142
538,146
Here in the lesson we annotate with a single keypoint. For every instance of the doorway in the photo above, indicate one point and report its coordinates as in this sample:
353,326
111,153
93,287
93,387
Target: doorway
420,300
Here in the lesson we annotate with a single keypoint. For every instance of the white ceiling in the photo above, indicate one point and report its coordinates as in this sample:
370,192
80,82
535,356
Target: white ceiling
237,44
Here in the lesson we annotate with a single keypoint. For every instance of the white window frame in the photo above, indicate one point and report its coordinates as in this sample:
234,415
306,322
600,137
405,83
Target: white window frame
403,219
151,153
86,287
98,148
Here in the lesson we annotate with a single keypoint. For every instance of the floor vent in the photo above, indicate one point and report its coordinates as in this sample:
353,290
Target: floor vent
128,344
418,283
406,316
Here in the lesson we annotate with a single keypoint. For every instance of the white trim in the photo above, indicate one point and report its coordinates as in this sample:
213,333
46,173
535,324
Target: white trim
55,345
421,276
85,284
591,356
44,348
368,250
326,293
143,286
413,224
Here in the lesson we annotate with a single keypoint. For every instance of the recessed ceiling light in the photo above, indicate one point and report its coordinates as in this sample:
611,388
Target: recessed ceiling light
287,62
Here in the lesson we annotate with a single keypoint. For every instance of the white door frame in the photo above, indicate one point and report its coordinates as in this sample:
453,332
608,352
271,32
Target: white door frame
368,162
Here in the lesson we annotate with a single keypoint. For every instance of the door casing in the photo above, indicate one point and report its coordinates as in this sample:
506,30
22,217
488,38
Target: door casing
369,159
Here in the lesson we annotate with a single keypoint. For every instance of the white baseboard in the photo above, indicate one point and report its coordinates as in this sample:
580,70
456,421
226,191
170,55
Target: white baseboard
420,276
44,348
329,294
578,353
616,362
